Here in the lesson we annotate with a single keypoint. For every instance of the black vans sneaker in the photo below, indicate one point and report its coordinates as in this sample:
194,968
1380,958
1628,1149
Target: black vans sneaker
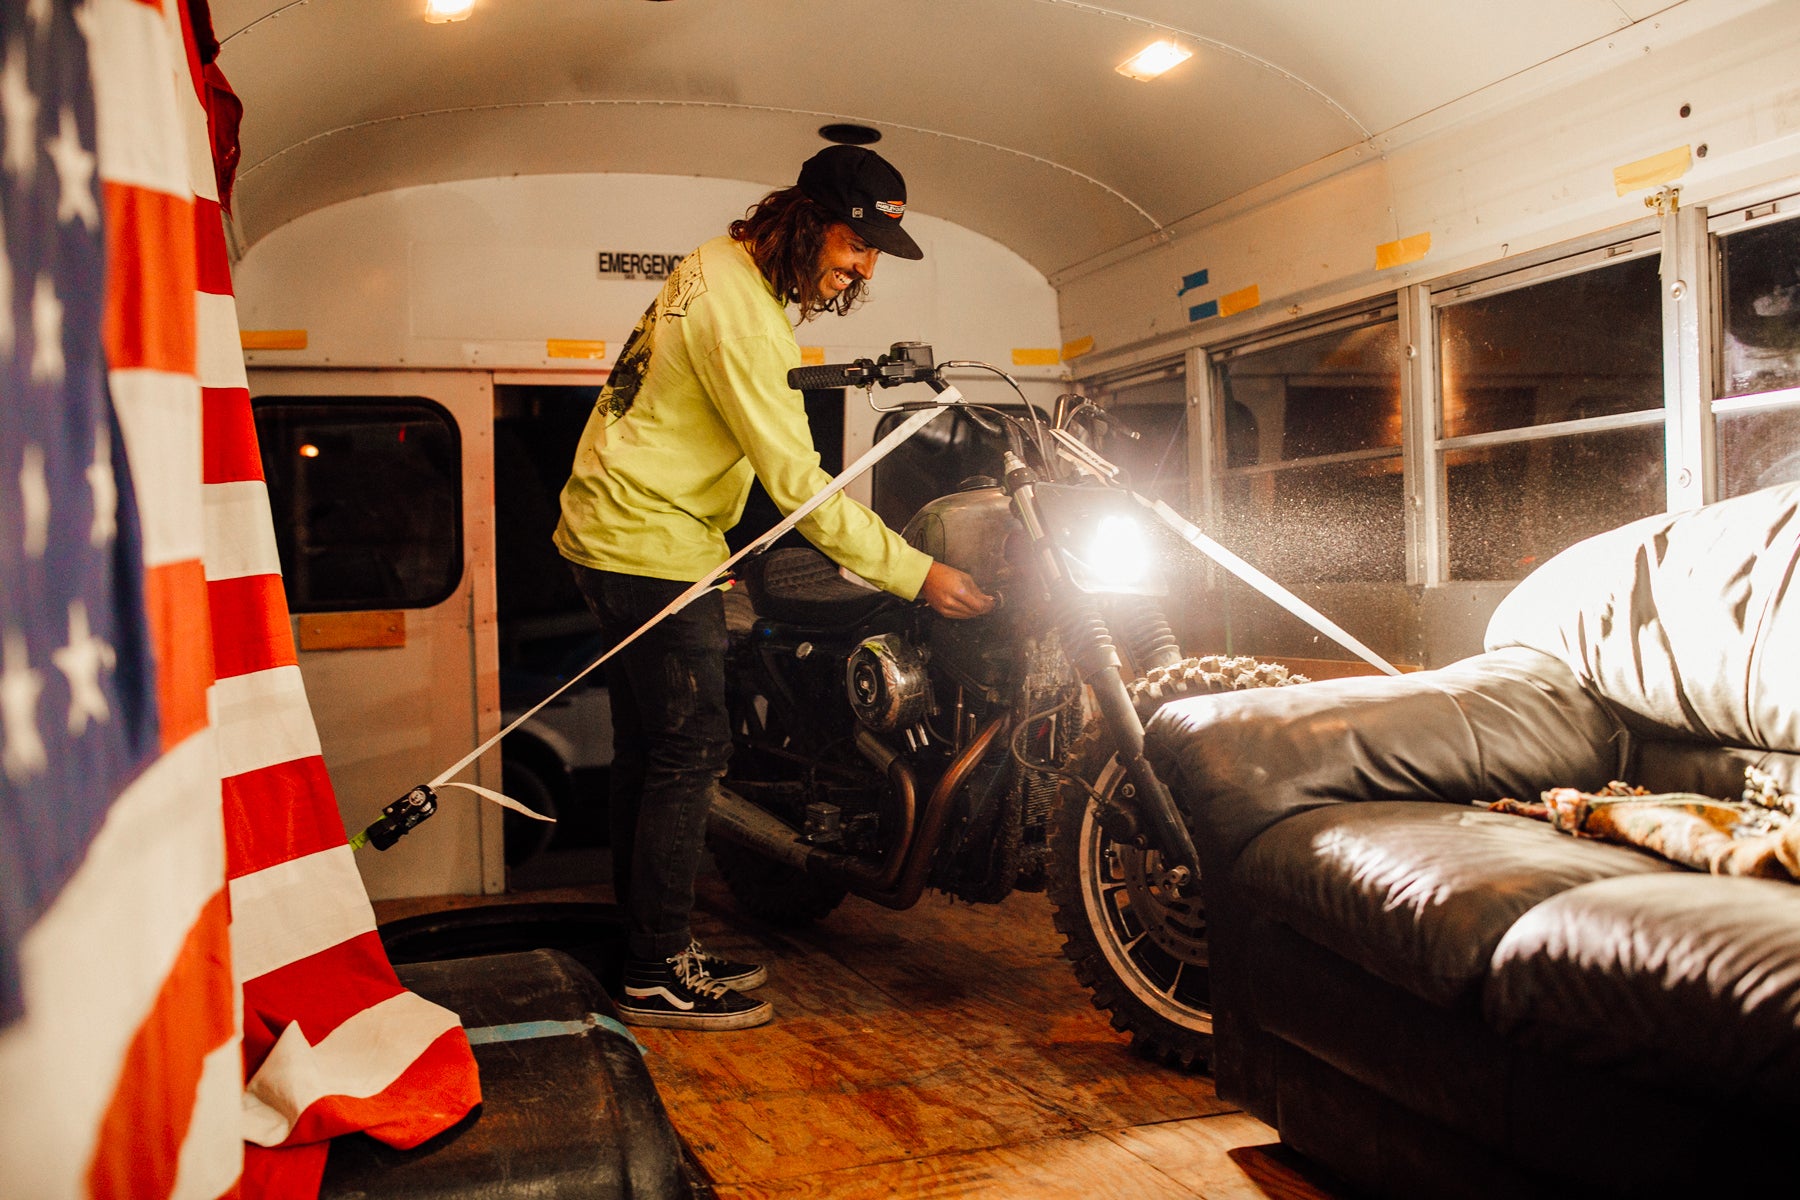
677,993
739,977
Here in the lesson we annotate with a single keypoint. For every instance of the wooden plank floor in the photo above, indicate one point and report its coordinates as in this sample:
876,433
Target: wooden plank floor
945,1051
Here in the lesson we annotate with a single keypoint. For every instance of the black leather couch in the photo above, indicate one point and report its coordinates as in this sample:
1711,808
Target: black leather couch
1435,999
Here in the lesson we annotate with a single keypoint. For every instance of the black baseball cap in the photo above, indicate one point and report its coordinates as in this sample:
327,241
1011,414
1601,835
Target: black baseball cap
860,188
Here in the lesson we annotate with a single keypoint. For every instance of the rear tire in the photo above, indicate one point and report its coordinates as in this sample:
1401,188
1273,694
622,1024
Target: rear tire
1140,950
772,891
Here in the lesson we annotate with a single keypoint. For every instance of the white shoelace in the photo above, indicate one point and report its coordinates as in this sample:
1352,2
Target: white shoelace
692,974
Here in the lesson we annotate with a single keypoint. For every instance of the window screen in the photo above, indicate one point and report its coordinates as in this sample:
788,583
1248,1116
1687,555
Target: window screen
366,497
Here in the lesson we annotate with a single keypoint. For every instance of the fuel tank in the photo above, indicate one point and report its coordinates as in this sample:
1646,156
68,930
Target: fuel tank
968,530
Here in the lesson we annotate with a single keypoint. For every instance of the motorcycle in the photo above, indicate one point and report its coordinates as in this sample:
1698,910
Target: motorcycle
881,750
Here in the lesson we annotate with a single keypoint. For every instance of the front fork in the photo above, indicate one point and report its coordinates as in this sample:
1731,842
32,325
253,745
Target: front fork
1090,648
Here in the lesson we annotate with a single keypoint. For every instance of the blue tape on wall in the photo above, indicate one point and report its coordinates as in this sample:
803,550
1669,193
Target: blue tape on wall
1201,311
1190,282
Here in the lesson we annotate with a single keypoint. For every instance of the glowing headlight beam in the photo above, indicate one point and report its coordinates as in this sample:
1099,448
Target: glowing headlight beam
1119,551
1262,583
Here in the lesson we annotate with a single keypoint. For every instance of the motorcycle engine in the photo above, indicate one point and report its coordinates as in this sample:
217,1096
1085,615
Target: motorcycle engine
886,680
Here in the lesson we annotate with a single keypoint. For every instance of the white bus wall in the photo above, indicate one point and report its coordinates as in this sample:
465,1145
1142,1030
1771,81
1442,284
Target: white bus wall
486,274
1522,165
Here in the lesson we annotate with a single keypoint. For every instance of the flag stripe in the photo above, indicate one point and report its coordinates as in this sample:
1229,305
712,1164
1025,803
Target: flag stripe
181,636
210,1162
213,265
159,414
363,1056
150,275
253,606
141,138
262,719
228,442
240,532
147,1120
288,911
271,816
220,352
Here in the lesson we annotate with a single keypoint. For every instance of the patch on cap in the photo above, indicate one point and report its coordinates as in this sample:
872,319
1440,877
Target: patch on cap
893,208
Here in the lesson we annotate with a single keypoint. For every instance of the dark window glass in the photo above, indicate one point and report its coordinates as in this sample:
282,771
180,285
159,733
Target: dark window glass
1154,461
1332,394
1587,345
366,495
1333,522
1758,450
1761,275
948,451
1513,506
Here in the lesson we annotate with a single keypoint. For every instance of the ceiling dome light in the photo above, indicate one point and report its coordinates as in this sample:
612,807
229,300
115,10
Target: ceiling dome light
440,11
1154,59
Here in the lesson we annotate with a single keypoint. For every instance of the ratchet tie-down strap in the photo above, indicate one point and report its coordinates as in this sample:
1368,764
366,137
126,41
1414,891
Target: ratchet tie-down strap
419,803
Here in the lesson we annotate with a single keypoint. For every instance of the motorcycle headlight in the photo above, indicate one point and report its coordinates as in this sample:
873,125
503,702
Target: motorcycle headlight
1119,553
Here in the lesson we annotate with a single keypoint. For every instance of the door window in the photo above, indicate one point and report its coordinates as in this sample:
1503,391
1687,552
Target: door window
366,498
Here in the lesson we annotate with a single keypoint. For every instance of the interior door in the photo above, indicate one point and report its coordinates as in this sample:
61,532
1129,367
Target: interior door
381,485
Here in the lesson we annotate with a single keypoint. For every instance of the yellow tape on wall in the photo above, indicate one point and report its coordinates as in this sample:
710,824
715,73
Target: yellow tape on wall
1407,249
1654,171
1077,348
1238,301
812,356
1032,356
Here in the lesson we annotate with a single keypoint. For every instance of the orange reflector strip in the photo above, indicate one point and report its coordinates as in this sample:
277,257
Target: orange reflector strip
574,348
1030,356
272,339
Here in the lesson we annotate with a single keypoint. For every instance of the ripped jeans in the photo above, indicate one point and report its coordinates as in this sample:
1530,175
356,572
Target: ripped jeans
671,741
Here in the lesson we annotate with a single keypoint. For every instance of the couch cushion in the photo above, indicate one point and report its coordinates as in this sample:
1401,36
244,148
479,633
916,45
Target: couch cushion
1418,893
1682,980
1681,622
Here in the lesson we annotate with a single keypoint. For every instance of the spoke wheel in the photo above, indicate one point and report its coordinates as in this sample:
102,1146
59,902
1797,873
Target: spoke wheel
1139,945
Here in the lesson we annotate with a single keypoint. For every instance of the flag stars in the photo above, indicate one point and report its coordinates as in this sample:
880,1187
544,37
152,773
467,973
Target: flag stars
20,686
74,173
19,105
106,491
34,502
47,330
81,661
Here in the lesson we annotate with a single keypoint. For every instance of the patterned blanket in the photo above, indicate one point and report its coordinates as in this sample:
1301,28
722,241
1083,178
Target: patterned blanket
1757,835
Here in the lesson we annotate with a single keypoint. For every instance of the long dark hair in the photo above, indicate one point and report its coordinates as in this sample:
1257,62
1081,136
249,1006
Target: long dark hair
785,233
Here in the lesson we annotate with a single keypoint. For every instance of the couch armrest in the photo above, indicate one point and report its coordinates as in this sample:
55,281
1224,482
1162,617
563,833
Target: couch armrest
1510,722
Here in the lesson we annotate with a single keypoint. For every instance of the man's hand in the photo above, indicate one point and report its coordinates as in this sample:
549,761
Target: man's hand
952,593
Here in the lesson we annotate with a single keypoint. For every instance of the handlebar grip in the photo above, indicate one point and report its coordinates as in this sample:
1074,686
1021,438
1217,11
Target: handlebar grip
832,375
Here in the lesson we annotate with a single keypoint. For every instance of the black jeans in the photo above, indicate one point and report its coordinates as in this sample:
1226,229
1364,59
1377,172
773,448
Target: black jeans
671,740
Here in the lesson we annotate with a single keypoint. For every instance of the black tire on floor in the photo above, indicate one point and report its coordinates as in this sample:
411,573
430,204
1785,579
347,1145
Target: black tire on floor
1142,953
775,892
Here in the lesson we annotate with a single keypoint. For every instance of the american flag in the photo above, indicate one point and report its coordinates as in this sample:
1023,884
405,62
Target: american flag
193,998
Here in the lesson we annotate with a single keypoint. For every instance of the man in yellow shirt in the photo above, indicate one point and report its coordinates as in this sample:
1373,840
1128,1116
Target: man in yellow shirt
698,406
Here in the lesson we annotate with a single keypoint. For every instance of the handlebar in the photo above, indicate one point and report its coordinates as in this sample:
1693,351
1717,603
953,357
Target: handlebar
905,362
860,373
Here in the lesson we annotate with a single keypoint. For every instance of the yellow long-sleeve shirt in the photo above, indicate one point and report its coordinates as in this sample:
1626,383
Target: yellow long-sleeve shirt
653,491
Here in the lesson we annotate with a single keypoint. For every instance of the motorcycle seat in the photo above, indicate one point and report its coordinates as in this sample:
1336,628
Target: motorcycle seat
797,585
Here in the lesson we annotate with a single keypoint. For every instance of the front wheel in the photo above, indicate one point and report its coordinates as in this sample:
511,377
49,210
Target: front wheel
1139,946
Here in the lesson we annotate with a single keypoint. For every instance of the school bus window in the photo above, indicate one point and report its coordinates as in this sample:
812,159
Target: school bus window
1313,487
1758,426
366,498
1155,461
1551,402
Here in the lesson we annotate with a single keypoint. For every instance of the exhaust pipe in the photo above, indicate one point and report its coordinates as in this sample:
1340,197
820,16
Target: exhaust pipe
900,881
